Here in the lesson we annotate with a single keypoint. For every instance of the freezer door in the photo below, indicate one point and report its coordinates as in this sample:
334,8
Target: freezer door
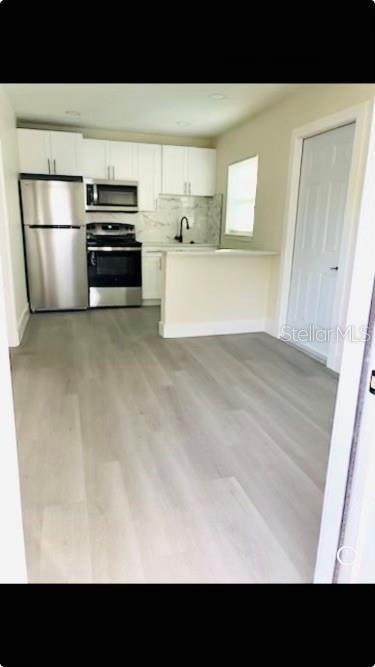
56,268
52,202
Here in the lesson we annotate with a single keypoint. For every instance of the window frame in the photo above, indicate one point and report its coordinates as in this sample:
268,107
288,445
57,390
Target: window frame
240,236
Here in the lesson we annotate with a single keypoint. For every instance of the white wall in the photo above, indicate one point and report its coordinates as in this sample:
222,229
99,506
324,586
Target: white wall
268,134
12,549
11,246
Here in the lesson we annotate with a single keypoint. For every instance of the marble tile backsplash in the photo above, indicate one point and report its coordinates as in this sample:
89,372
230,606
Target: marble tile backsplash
162,225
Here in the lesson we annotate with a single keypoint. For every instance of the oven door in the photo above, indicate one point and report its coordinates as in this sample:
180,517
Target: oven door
114,276
120,196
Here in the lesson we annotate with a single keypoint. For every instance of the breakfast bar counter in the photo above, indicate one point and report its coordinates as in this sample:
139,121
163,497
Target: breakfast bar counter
215,291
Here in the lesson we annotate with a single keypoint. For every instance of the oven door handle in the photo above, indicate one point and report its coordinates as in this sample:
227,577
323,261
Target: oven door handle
107,248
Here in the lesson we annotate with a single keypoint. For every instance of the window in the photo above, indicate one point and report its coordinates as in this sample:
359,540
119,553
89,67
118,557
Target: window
242,185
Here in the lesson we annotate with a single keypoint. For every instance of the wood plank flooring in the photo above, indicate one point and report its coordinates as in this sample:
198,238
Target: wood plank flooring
145,459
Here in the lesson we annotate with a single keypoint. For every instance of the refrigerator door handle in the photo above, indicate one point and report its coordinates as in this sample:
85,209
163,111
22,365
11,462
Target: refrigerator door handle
54,226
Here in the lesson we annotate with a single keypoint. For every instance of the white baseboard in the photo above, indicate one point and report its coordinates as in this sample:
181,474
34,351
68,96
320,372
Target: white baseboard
191,329
271,328
22,322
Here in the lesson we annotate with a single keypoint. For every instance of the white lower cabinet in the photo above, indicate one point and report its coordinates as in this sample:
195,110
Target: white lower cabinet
151,274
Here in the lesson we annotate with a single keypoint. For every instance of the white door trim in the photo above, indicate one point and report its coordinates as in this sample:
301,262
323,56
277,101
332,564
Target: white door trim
361,115
359,300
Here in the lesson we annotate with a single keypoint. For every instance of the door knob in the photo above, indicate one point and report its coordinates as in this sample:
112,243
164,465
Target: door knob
333,268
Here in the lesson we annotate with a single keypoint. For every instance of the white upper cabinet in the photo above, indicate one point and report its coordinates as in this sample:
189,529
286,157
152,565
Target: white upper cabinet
66,153
94,158
188,171
174,170
201,165
43,152
112,160
34,151
122,160
149,176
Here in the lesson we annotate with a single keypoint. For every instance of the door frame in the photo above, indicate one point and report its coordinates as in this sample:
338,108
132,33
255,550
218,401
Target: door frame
361,115
348,452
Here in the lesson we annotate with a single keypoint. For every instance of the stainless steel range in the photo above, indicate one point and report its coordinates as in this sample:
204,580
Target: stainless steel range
114,265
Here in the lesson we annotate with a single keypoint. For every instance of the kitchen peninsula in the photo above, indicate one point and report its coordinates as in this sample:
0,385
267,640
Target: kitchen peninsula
215,292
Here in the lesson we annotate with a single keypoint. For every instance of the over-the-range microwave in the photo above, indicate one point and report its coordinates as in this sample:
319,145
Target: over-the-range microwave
102,195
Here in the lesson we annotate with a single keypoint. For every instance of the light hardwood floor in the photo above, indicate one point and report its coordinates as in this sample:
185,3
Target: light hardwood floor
151,460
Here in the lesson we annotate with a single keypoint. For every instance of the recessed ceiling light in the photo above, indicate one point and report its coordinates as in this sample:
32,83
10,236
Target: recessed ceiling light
217,96
183,123
72,113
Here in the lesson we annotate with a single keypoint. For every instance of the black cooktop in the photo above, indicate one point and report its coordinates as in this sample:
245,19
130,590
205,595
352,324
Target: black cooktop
111,233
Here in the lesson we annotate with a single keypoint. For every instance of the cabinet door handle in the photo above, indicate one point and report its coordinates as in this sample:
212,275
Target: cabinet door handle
54,166
113,173
108,174
189,188
49,166
185,188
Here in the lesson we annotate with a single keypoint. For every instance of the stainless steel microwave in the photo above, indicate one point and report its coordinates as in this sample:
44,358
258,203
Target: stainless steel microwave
101,195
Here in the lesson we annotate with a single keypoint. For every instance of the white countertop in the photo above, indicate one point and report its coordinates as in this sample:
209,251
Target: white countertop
221,252
176,245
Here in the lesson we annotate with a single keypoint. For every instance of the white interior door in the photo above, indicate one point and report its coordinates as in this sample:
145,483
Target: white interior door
325,169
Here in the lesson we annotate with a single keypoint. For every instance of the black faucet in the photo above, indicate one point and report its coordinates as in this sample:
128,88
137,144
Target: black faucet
178,237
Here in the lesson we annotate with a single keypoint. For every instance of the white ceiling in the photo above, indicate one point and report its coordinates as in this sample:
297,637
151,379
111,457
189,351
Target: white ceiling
151,108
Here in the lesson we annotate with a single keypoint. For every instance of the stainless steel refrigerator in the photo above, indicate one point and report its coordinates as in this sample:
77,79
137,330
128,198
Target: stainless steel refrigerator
55,242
